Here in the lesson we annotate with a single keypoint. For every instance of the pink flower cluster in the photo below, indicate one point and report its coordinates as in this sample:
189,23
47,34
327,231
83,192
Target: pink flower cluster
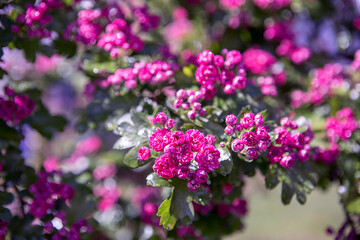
154,73
231,4
251,135
15,107
86,28
326,155
260,62
108,194
46,193
213,69
281,31
72,232
146,200
177,151
190,100
238,208
342,126
290,145
272,4
146,20
3,229
297,55
324,83
37,18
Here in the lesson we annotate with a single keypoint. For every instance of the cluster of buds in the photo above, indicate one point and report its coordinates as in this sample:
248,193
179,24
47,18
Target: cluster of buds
251,135
16,107
37,18
118,36
175,153
290,144
190,100
215,69
154,73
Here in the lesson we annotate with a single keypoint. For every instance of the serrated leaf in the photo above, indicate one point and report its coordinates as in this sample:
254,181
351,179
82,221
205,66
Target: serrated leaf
140,119
155,181
287,192
181,206
167,220
298,180
272,177
225,161
131,158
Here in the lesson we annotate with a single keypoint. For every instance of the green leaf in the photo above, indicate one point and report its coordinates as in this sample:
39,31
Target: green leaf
200,196
287,192
140,119
354,206
272,178
225,161
155,181
187,126
131,158
133,134
44,123
264,113
299,180
6,198
244,110
8,135
5,214
167,220
181,205
189,70
64,47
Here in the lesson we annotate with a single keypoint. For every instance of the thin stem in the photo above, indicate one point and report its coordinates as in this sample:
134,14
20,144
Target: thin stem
22,203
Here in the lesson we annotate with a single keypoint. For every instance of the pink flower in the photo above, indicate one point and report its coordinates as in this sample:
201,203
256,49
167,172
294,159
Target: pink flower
104,171
160,118
248,120
200,176
159,139
251,153
231,4
177,138
287,161
195,139
144,153
231,119
88,145
237,145
249,139
257,60
165,166
208,158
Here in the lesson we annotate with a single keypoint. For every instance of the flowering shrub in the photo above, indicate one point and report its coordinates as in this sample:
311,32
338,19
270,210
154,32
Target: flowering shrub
195,96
